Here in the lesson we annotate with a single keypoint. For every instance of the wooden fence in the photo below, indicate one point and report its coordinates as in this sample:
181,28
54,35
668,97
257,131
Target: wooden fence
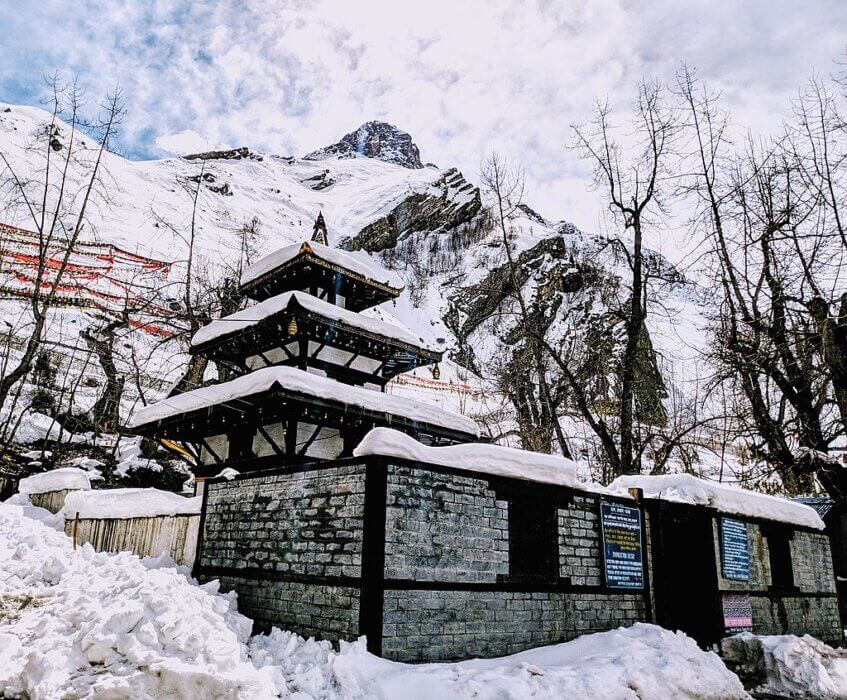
53,501
175,535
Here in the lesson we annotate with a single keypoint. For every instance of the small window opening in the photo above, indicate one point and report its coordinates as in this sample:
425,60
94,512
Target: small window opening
779,552
533,541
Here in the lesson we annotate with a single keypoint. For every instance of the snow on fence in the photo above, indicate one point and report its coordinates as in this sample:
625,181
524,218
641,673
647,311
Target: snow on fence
147,522
48,490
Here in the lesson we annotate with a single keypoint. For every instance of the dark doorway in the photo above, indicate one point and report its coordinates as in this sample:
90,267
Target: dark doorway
685,573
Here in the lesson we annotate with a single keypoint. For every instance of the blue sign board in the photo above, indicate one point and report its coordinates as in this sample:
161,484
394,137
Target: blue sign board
620,526
735,550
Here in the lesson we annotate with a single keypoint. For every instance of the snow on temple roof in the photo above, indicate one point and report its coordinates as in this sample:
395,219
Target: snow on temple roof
299,381
684,488
234,323
63,479
128,503
476,457
356,262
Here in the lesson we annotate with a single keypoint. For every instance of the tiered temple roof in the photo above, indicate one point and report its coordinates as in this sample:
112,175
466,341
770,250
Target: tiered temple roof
310,371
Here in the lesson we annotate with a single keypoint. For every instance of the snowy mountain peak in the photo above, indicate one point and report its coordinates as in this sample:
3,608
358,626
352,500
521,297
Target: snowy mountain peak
374,139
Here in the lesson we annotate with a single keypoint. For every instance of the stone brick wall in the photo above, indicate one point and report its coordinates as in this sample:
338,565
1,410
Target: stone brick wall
815,616
579,541
310,610
444,528
811,560
432,625
759,564
305,523
811,556
276,539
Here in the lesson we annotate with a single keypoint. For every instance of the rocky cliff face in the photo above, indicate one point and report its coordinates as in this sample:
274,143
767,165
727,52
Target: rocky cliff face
450,202
374,140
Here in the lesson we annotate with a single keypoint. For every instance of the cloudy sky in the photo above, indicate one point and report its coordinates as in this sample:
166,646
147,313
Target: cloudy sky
462,76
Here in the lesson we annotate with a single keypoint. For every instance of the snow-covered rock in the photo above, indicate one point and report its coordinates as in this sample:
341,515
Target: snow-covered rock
374,140
63,479
787,666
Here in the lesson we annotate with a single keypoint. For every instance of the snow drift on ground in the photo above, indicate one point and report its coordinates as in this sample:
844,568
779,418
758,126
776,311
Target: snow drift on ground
642,661
788,666
86,624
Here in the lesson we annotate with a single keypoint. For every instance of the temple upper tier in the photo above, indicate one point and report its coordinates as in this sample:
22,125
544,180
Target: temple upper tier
347,279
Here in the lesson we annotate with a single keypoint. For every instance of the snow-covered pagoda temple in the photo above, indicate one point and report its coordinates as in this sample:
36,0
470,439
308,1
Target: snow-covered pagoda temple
310,369
360,513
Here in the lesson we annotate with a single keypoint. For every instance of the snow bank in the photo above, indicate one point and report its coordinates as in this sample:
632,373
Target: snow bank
128,503
358,263
36,427
788,666
87,624
640,662
684,488
301,382
66,478
475,457
237,322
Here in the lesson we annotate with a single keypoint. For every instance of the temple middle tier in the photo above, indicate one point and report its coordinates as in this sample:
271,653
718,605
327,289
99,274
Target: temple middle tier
298,330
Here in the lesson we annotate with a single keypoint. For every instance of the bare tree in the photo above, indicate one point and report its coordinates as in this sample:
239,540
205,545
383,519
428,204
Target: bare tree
770,214
56,203
506,186
631,176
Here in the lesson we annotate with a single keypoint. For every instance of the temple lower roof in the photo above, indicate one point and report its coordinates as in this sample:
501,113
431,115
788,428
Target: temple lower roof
244,393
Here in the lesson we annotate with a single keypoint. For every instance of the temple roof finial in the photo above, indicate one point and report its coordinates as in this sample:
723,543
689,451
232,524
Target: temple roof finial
319,234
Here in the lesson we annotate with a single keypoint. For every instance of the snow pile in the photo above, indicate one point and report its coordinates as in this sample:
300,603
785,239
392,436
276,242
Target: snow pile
128,503
788,666
252,315
88,463
684,488
130,459
64,479
55,521
475,457
300,382
83,624
642,661
359,263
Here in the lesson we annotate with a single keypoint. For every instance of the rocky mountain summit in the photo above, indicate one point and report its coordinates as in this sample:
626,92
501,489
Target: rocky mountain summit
374,140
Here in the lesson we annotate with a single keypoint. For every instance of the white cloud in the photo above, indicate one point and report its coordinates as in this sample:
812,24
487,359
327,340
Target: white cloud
462,77
185,142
